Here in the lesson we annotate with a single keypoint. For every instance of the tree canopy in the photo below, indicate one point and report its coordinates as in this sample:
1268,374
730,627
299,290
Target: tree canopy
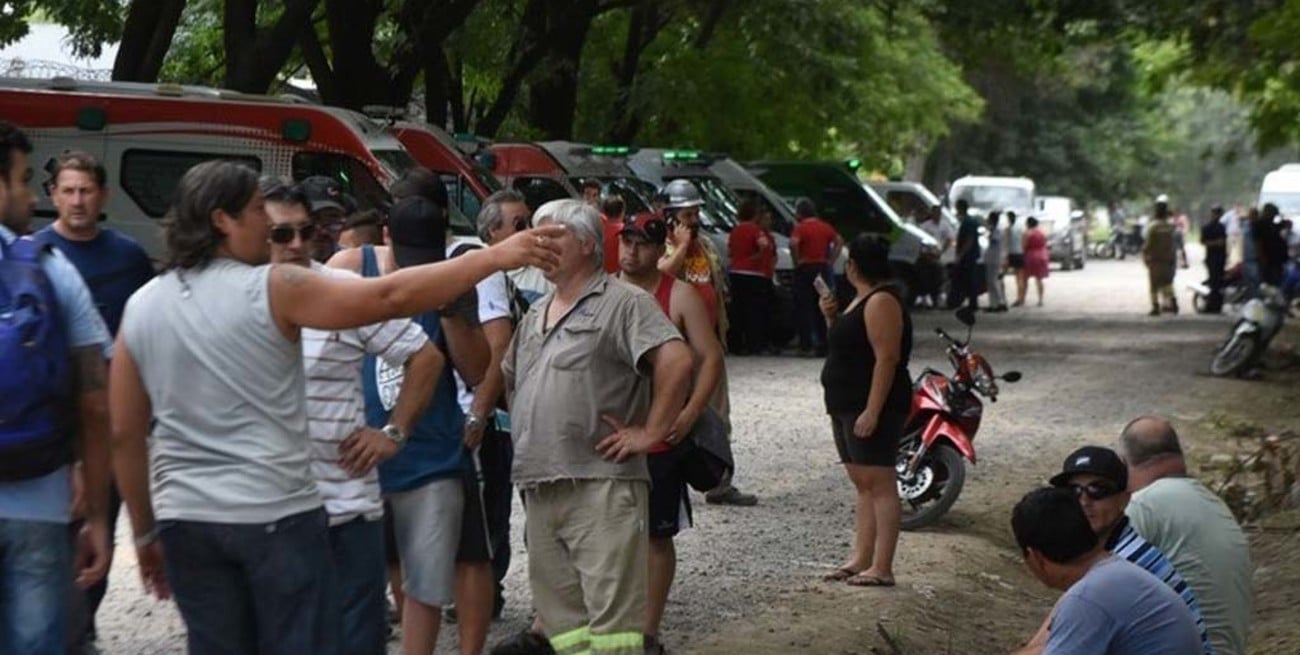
1102,100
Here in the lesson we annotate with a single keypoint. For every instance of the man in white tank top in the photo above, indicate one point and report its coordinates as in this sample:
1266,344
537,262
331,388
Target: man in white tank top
223,505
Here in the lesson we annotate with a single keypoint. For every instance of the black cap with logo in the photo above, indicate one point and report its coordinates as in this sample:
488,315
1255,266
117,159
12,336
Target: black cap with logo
1099,461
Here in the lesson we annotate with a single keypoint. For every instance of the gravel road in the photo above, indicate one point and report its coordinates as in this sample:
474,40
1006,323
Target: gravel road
747,577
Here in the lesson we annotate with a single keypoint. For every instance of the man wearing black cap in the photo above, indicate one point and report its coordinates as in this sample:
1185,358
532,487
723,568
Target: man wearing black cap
436,510
1099,479
641,245
330,207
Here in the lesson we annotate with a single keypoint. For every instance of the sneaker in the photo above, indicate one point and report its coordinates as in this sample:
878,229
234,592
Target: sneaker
1155,311
730,496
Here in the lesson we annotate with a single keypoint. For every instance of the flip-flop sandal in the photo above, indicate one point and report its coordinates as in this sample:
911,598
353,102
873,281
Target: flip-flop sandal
839,575
860,580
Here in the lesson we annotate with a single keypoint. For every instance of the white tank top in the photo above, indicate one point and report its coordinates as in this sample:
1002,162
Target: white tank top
229,441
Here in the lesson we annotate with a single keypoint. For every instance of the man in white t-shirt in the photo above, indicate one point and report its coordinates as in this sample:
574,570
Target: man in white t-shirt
345,453
931,271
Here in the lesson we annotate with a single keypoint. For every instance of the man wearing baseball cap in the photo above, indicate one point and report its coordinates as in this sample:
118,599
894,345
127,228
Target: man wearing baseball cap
427,484
330,207
1099,479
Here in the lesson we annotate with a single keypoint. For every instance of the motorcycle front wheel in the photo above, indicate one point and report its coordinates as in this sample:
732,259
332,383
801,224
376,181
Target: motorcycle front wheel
1235,354
929,493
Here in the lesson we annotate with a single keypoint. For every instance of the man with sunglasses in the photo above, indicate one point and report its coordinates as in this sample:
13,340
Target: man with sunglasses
345,452
1099,479
1110,606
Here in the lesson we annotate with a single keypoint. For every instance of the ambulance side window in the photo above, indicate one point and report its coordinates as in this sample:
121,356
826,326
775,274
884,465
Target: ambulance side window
149,177
357,180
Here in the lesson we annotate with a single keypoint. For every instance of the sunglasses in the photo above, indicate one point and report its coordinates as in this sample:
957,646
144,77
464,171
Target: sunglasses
283,234
1094,490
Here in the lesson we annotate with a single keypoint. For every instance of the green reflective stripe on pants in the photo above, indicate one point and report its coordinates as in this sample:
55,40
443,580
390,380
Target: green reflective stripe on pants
572,642
618,642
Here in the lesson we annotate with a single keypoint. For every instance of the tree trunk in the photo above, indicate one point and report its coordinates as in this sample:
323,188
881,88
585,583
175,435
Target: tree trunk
526,52
146,36
553,96
255,56
644,25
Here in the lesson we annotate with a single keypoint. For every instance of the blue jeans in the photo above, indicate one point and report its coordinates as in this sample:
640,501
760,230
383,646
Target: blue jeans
35,575
358,549
254,588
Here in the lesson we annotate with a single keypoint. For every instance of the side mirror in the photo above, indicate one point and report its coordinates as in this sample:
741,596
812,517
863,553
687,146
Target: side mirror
1011,376
967,316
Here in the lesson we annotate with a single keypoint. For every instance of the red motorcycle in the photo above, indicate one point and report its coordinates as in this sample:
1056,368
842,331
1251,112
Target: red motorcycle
946,413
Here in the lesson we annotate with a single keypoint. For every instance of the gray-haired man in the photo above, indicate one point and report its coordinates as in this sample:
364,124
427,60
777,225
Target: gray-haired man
579,457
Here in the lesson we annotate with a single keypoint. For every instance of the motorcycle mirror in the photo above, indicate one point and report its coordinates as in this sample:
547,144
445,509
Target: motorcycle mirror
1011,376
967,316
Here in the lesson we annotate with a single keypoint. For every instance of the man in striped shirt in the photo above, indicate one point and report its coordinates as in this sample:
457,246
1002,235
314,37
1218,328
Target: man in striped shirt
1099,479
345,453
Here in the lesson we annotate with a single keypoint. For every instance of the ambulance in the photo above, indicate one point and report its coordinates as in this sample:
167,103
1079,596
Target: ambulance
148,135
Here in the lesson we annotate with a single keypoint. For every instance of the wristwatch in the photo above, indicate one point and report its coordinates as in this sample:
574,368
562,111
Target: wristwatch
394,434
474,422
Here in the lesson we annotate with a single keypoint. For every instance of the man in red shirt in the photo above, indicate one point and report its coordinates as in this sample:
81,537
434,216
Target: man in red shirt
814,245
641,245
751,285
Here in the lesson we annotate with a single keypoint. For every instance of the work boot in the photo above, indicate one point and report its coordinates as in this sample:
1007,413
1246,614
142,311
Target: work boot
525,642
730,495
1155,311
653,646
1172,308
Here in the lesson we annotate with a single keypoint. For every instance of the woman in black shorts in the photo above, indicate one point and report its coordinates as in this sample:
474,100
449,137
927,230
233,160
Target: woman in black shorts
868,395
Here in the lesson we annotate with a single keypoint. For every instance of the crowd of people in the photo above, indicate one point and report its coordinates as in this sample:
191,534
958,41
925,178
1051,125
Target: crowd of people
313,406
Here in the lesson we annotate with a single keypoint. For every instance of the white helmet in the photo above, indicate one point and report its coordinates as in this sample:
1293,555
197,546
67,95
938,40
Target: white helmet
681,193
1162,199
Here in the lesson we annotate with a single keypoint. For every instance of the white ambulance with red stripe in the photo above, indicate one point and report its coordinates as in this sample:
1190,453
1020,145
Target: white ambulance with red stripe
148,135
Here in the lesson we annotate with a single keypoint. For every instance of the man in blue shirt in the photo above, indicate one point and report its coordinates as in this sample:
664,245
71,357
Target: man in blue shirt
36,557
113,266
1110,606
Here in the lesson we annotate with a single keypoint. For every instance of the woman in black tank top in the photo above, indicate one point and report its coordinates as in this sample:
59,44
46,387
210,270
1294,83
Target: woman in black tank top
868,394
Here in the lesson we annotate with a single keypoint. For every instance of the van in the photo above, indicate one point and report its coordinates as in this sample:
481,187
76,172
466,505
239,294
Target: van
1067,235
607,165
990,193
845,202
468,181
530,170
149,135
1282,188
747,186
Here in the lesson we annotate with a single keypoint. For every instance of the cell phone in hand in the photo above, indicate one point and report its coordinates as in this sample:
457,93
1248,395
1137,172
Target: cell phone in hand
819,283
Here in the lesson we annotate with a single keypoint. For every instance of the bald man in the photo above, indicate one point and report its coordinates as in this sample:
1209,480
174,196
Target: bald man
1193,527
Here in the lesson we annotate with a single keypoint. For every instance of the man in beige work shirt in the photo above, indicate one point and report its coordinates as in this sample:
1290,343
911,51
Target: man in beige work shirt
597,375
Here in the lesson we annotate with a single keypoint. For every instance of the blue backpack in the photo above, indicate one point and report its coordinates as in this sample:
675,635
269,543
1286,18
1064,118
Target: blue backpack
35,391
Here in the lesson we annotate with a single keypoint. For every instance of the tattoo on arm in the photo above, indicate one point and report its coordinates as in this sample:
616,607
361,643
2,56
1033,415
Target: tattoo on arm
90,367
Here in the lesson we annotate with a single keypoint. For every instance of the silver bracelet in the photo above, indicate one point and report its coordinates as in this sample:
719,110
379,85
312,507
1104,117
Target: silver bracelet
147,538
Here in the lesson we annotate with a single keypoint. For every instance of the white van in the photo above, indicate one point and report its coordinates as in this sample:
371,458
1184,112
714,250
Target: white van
1282,188
1066,233
986,193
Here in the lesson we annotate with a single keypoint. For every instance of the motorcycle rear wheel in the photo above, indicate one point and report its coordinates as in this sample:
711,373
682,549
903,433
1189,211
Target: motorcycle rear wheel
1235,354
939,478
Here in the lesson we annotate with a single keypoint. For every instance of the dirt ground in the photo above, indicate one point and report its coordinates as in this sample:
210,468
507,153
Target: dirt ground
748,579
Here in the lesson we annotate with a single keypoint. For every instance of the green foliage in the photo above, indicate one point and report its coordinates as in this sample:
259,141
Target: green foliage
815,78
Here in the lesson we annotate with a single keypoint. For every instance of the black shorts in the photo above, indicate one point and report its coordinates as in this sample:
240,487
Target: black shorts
670,504
880,449
390,537
1016,261
475,546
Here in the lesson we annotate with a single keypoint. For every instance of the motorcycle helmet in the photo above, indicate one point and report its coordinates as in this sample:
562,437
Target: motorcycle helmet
680,194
